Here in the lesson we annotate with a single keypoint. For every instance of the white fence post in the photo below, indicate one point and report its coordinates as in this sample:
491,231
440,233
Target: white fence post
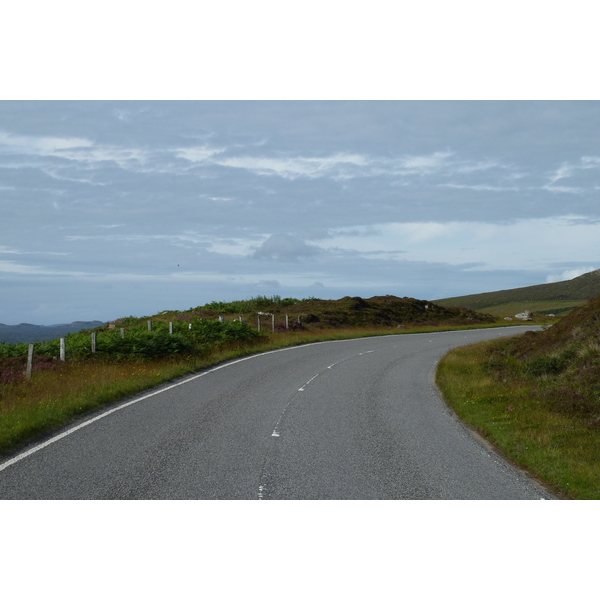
287,321
122,333
29,361
63,350
149,325
266,314
171,327
93,342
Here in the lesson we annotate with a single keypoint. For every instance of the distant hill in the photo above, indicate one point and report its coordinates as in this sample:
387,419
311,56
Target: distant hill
547,298
28,333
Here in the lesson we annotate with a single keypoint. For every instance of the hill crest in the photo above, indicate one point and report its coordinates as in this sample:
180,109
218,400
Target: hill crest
561,296
378,311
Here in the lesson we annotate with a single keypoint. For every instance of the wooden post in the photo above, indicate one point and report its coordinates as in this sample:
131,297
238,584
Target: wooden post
63,350
171,327
93,342
149,325
287,321
29,362
273,321
259,323
122,333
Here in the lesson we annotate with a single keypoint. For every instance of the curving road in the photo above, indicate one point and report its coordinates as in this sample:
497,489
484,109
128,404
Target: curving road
356,419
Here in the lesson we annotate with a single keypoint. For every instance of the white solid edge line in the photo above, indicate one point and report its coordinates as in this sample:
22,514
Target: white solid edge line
58,437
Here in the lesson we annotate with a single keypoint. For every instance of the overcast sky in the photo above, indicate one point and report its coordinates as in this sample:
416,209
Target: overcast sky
132,207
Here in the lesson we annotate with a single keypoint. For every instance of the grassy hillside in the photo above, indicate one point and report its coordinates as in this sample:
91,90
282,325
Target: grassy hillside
560,297
537,397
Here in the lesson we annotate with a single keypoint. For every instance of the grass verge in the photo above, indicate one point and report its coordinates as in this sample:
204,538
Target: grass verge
559,447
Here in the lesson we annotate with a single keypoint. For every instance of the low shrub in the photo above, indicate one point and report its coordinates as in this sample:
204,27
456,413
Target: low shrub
139,343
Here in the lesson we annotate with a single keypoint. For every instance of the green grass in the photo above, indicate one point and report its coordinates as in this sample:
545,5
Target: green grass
529,411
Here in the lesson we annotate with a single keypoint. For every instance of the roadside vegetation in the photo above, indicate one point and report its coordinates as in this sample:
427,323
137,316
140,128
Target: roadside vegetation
537,398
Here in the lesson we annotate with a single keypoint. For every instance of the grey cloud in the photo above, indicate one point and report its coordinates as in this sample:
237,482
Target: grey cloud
41,145
337,166
285,247
480,187
270,283
563,189
425,164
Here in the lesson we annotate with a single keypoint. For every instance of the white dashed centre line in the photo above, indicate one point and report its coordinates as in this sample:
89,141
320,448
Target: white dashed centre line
276,433
311,379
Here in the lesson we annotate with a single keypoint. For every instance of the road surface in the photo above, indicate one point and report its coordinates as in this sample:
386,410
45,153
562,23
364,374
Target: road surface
355,419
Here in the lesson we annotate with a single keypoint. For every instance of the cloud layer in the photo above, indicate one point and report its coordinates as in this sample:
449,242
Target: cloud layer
177,204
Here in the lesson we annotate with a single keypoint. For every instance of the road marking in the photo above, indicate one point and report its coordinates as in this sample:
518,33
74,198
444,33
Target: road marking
349,358
311,379
276,432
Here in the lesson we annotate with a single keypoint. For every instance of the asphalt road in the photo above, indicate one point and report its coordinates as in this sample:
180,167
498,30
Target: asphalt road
356,419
